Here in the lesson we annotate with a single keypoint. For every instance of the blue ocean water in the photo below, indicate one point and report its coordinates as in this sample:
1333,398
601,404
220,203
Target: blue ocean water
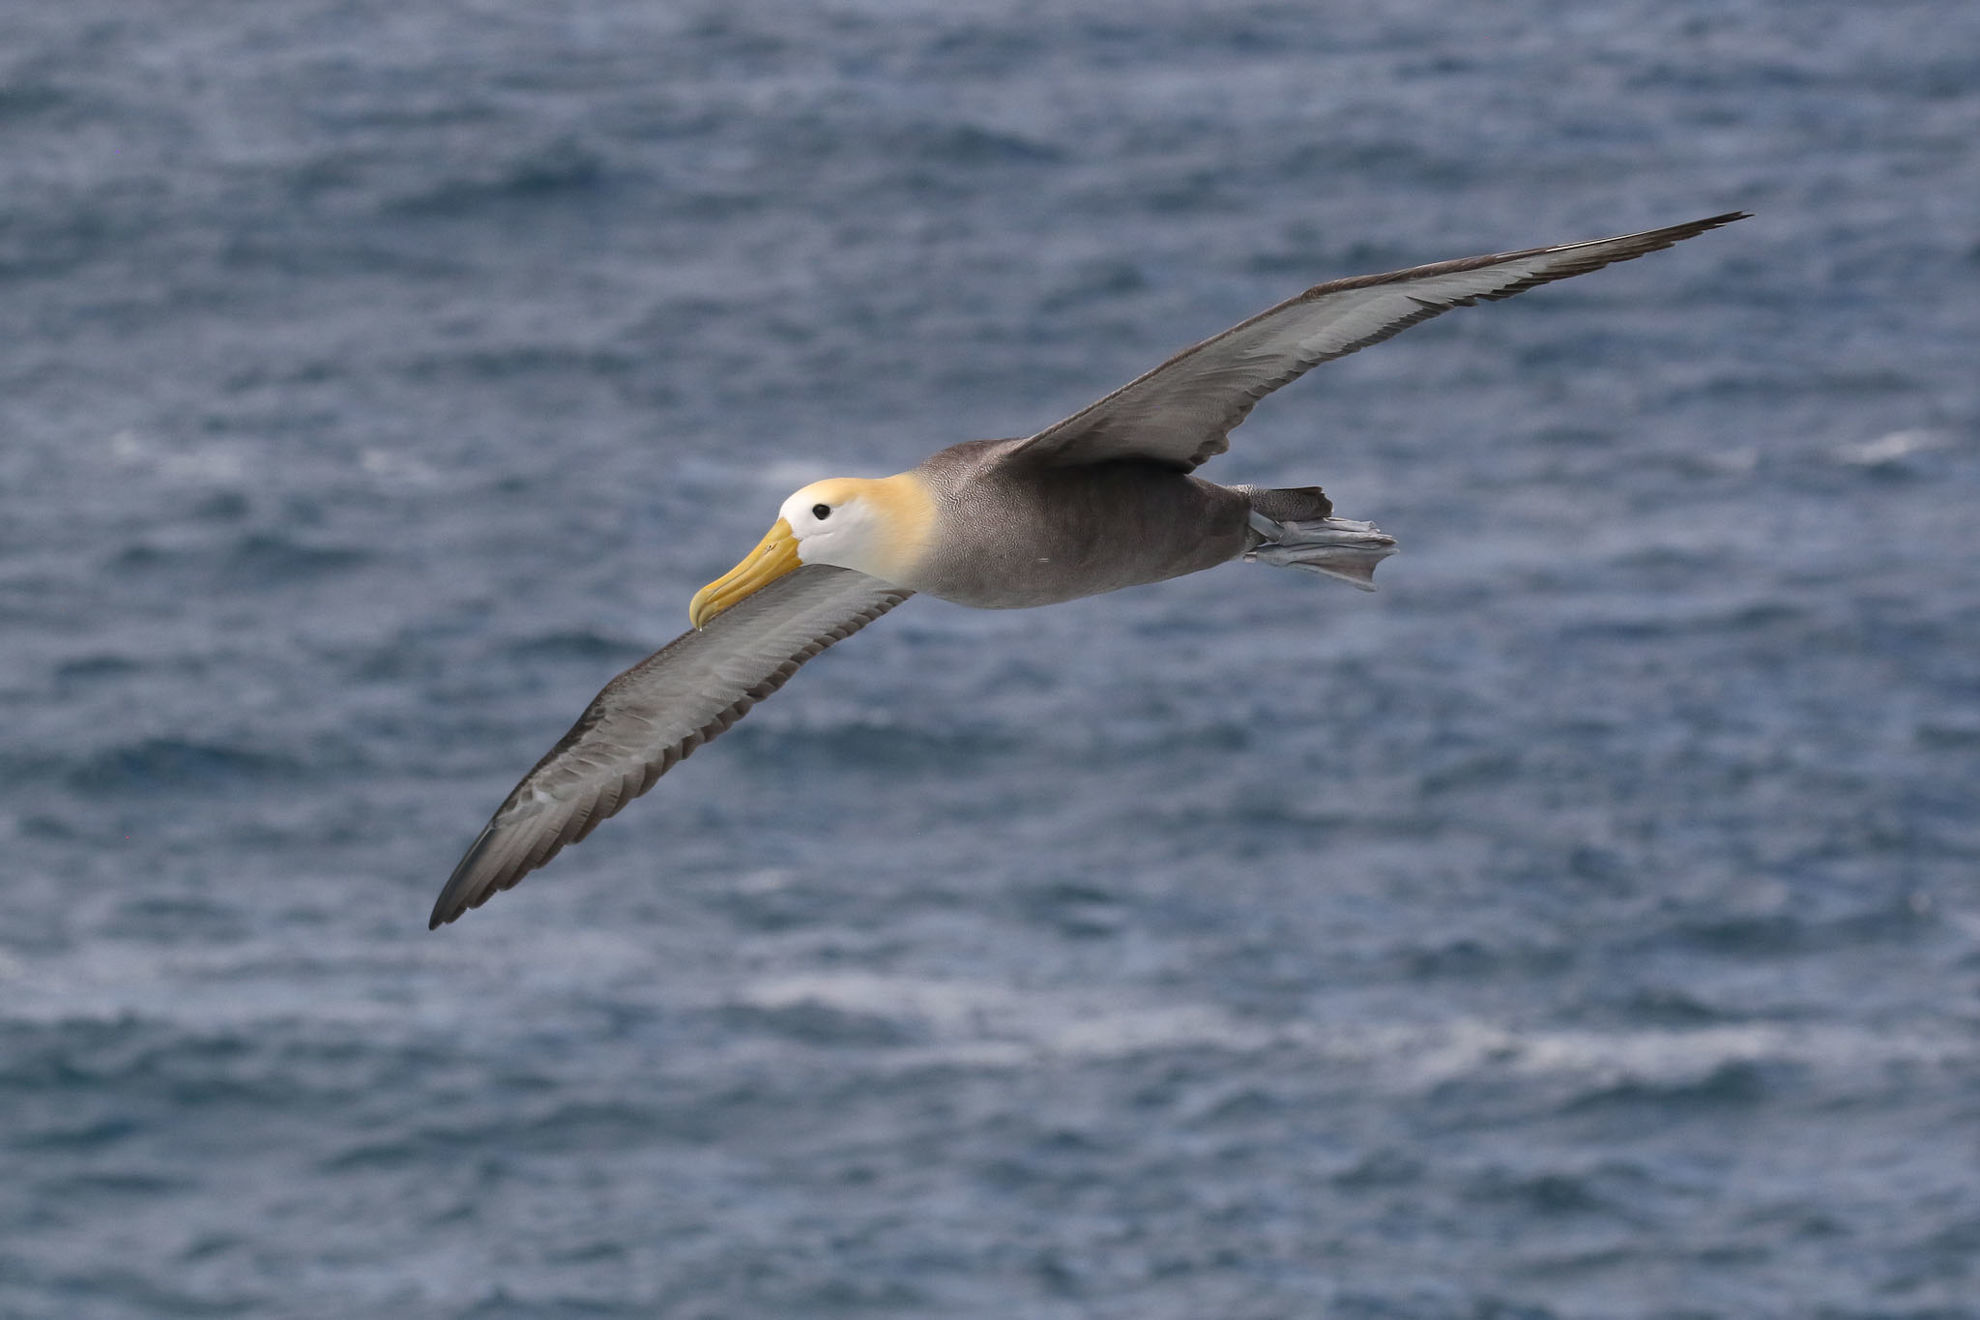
1585,925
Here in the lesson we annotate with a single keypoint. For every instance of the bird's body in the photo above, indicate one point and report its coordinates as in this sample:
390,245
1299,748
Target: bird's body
1013,534
1103,500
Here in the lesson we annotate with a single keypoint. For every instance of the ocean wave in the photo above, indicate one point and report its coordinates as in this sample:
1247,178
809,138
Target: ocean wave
178,765
260,560
550,173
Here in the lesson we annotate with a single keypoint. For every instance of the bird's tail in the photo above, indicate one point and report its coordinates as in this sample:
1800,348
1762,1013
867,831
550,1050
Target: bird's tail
1297,529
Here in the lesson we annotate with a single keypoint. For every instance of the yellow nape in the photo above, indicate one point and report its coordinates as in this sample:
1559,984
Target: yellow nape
892,524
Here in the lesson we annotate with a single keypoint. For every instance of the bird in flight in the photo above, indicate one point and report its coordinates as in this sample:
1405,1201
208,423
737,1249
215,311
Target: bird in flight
1102,500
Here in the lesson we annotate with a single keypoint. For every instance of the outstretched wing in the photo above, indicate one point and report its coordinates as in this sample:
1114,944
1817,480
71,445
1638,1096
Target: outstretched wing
656,713
1183,412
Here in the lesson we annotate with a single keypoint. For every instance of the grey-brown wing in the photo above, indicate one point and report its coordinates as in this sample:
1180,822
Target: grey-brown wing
1183,412
656,713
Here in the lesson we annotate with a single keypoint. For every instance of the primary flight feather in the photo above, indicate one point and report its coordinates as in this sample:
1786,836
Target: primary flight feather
1099,501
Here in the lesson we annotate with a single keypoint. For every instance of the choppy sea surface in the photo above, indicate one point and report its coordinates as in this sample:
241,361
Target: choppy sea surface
1585,925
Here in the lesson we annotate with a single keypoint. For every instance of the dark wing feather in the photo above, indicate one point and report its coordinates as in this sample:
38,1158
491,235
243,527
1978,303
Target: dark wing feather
1183,412
656,713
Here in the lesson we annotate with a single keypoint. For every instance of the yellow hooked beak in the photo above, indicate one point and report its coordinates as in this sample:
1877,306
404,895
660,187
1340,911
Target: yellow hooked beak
775,555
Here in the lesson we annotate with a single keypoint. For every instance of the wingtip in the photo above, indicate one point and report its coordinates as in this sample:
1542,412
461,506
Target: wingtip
465,888
457,900
1692,228
1710,222
448,907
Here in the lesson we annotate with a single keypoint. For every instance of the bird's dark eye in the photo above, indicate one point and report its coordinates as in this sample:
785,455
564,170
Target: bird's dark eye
821,511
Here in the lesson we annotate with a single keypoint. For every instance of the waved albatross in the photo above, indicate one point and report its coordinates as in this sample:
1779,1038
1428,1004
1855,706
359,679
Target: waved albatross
1100,501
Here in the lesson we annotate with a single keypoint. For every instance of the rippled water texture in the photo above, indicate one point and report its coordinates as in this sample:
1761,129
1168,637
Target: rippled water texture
1583,926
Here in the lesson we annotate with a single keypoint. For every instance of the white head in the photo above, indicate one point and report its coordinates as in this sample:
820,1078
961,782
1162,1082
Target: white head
877,526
